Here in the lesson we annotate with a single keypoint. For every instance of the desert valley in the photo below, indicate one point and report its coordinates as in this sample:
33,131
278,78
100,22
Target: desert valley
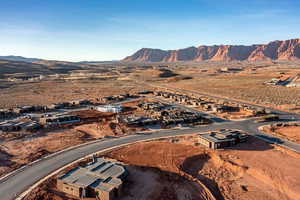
167,122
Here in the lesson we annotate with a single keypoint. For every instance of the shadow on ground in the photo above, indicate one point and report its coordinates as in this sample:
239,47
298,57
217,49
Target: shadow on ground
193,165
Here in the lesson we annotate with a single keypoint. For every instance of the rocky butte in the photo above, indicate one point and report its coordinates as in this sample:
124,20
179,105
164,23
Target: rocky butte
276,50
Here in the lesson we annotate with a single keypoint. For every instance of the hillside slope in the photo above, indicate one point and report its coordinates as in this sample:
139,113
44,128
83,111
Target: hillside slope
20,59
11,67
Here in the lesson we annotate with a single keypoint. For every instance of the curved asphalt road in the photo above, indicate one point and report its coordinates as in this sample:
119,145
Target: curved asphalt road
18,182
15,184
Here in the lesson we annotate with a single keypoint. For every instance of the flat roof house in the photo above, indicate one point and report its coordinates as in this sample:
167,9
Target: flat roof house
58,120
222,138
100,179
110,108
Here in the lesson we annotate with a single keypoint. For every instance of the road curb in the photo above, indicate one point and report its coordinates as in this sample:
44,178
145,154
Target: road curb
281,145
3,178
23,194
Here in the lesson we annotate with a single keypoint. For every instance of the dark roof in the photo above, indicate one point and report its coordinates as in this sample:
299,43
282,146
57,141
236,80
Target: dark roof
222,135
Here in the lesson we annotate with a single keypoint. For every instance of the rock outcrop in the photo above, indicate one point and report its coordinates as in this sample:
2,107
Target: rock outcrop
276,50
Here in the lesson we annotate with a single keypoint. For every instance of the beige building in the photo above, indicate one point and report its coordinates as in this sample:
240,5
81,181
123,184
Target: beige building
100,179
222,138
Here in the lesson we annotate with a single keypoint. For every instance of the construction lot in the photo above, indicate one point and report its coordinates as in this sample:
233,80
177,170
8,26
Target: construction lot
221,108
181,169
49,92
236,80
247,84
247,87
28,133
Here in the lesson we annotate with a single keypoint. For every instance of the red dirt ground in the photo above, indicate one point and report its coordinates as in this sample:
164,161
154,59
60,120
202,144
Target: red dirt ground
249,171
22,151
177,169
289,132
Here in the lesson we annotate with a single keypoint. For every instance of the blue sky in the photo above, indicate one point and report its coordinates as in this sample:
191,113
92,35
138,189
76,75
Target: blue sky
112,29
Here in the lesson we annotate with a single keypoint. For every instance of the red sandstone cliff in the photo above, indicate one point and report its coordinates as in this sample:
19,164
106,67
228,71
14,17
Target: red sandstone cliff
276,50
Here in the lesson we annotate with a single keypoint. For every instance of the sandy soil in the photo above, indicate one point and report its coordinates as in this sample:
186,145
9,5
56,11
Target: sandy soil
18,152
15,153
249,171
101,129
291,133
236,115
144,183
150,183
176,169
47,92
248,87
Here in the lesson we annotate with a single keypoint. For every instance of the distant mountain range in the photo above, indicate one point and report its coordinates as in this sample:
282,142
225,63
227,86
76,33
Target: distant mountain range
37,60
20,59
276,50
